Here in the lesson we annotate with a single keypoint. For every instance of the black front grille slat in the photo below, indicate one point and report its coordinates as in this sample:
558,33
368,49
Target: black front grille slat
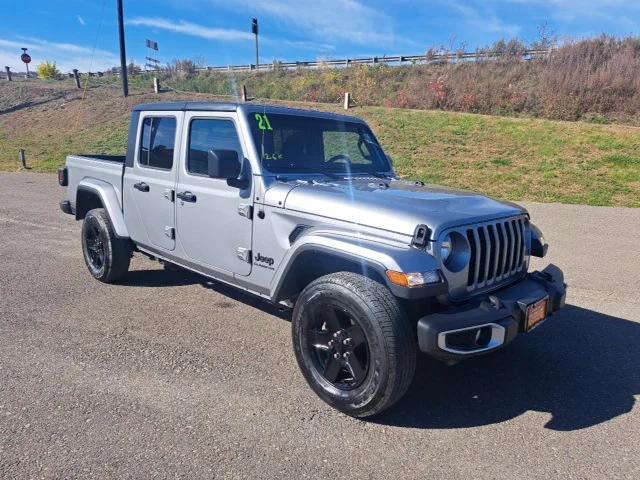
491,274
522,245
503,249
471,277
516,249
482,254
507,264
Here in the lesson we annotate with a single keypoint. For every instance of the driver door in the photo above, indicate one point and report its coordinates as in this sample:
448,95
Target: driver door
210,224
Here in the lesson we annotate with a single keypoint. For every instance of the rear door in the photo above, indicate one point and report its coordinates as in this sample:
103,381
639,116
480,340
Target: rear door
148,187
213,226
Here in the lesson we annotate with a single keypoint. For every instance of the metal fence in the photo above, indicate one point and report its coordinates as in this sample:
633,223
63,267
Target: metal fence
428,59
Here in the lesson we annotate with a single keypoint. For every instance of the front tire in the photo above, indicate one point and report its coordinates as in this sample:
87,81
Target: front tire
107,256
353,343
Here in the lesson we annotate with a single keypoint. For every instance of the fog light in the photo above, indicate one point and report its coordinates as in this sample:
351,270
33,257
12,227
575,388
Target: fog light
413,279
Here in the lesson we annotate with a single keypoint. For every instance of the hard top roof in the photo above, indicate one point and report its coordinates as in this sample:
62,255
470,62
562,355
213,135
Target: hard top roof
240,107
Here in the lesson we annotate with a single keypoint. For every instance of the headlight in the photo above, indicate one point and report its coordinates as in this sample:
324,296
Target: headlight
454,251
446,246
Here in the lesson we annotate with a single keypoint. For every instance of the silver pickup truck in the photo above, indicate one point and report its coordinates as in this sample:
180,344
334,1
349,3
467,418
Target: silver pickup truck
303,208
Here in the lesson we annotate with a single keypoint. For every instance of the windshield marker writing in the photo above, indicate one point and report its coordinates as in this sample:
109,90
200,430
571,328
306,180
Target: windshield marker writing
263,122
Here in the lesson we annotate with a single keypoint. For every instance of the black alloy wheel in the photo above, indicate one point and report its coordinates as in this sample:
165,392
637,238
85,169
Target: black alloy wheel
95,247
353,343
338,347
107,256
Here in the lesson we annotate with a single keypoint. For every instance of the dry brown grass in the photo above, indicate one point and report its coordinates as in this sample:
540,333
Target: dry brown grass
595,80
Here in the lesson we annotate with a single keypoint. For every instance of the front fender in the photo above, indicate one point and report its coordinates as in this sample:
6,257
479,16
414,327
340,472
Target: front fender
539,246
367,254
109,199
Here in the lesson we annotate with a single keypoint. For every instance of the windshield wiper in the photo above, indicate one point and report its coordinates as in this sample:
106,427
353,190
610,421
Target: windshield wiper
379,175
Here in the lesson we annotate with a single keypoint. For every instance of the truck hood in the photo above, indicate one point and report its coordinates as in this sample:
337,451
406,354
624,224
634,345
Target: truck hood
395,205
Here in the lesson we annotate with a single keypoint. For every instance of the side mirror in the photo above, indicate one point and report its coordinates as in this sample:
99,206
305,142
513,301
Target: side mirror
223,164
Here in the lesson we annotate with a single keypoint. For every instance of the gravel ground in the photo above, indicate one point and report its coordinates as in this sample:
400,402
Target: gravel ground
169,375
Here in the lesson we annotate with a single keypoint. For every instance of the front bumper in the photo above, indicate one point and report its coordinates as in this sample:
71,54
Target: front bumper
491,321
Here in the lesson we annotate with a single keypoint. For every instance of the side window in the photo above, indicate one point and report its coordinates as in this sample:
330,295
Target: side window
157,142
210,134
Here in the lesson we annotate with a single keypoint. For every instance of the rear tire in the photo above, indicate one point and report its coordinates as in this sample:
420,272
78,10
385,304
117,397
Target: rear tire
107,256
353,343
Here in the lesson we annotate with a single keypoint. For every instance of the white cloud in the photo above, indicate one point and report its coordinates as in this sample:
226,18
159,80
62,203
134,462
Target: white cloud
228,35
67,56
325,20
484,20
81,20
342,20
192,29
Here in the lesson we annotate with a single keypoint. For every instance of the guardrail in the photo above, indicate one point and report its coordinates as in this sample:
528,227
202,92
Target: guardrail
427,59
433,58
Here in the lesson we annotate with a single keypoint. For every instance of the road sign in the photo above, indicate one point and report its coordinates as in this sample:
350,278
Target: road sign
25,57
152,45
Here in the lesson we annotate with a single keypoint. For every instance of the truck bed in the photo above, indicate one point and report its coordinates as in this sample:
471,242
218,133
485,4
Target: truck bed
102,168
106,158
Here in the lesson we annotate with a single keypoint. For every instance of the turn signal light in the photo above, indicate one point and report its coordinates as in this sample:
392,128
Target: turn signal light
413,279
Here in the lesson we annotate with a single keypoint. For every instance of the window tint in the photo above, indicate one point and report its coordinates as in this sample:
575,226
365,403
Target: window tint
209,134
158,140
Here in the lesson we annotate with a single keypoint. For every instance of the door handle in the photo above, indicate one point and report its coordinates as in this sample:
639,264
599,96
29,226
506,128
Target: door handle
143,187
186,197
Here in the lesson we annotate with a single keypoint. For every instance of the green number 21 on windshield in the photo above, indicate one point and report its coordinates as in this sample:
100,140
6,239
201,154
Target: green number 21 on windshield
263,122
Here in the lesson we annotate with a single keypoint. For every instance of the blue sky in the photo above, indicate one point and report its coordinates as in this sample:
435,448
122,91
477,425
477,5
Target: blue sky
83,34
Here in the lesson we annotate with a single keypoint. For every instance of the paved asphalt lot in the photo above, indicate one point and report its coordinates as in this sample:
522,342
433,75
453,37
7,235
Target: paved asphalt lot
168,375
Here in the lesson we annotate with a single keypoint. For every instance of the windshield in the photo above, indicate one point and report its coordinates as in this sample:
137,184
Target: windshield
301,144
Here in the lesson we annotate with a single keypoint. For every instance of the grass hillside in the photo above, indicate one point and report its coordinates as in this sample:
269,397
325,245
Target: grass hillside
515,159
596,80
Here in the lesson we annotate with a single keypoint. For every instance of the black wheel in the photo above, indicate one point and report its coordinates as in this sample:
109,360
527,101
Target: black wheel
353,343
107,256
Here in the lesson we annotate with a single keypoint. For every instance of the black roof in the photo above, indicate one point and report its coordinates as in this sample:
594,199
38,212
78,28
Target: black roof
243,107
193,106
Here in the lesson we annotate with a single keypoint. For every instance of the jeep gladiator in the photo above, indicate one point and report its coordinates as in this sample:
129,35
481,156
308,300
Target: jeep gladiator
304,209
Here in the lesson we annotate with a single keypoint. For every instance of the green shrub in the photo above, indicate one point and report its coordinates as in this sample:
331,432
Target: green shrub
48,70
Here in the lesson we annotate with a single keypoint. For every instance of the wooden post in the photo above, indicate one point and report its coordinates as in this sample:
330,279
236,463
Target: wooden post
347,100
23,159
76,77
156,85
8,69
243,93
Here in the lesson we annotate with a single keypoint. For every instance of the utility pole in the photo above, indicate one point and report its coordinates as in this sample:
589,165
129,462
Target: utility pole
123,53
254,30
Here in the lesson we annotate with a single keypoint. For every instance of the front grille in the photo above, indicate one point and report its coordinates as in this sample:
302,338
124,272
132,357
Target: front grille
497,251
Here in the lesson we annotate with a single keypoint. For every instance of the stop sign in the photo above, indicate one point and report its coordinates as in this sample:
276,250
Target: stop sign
26,58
